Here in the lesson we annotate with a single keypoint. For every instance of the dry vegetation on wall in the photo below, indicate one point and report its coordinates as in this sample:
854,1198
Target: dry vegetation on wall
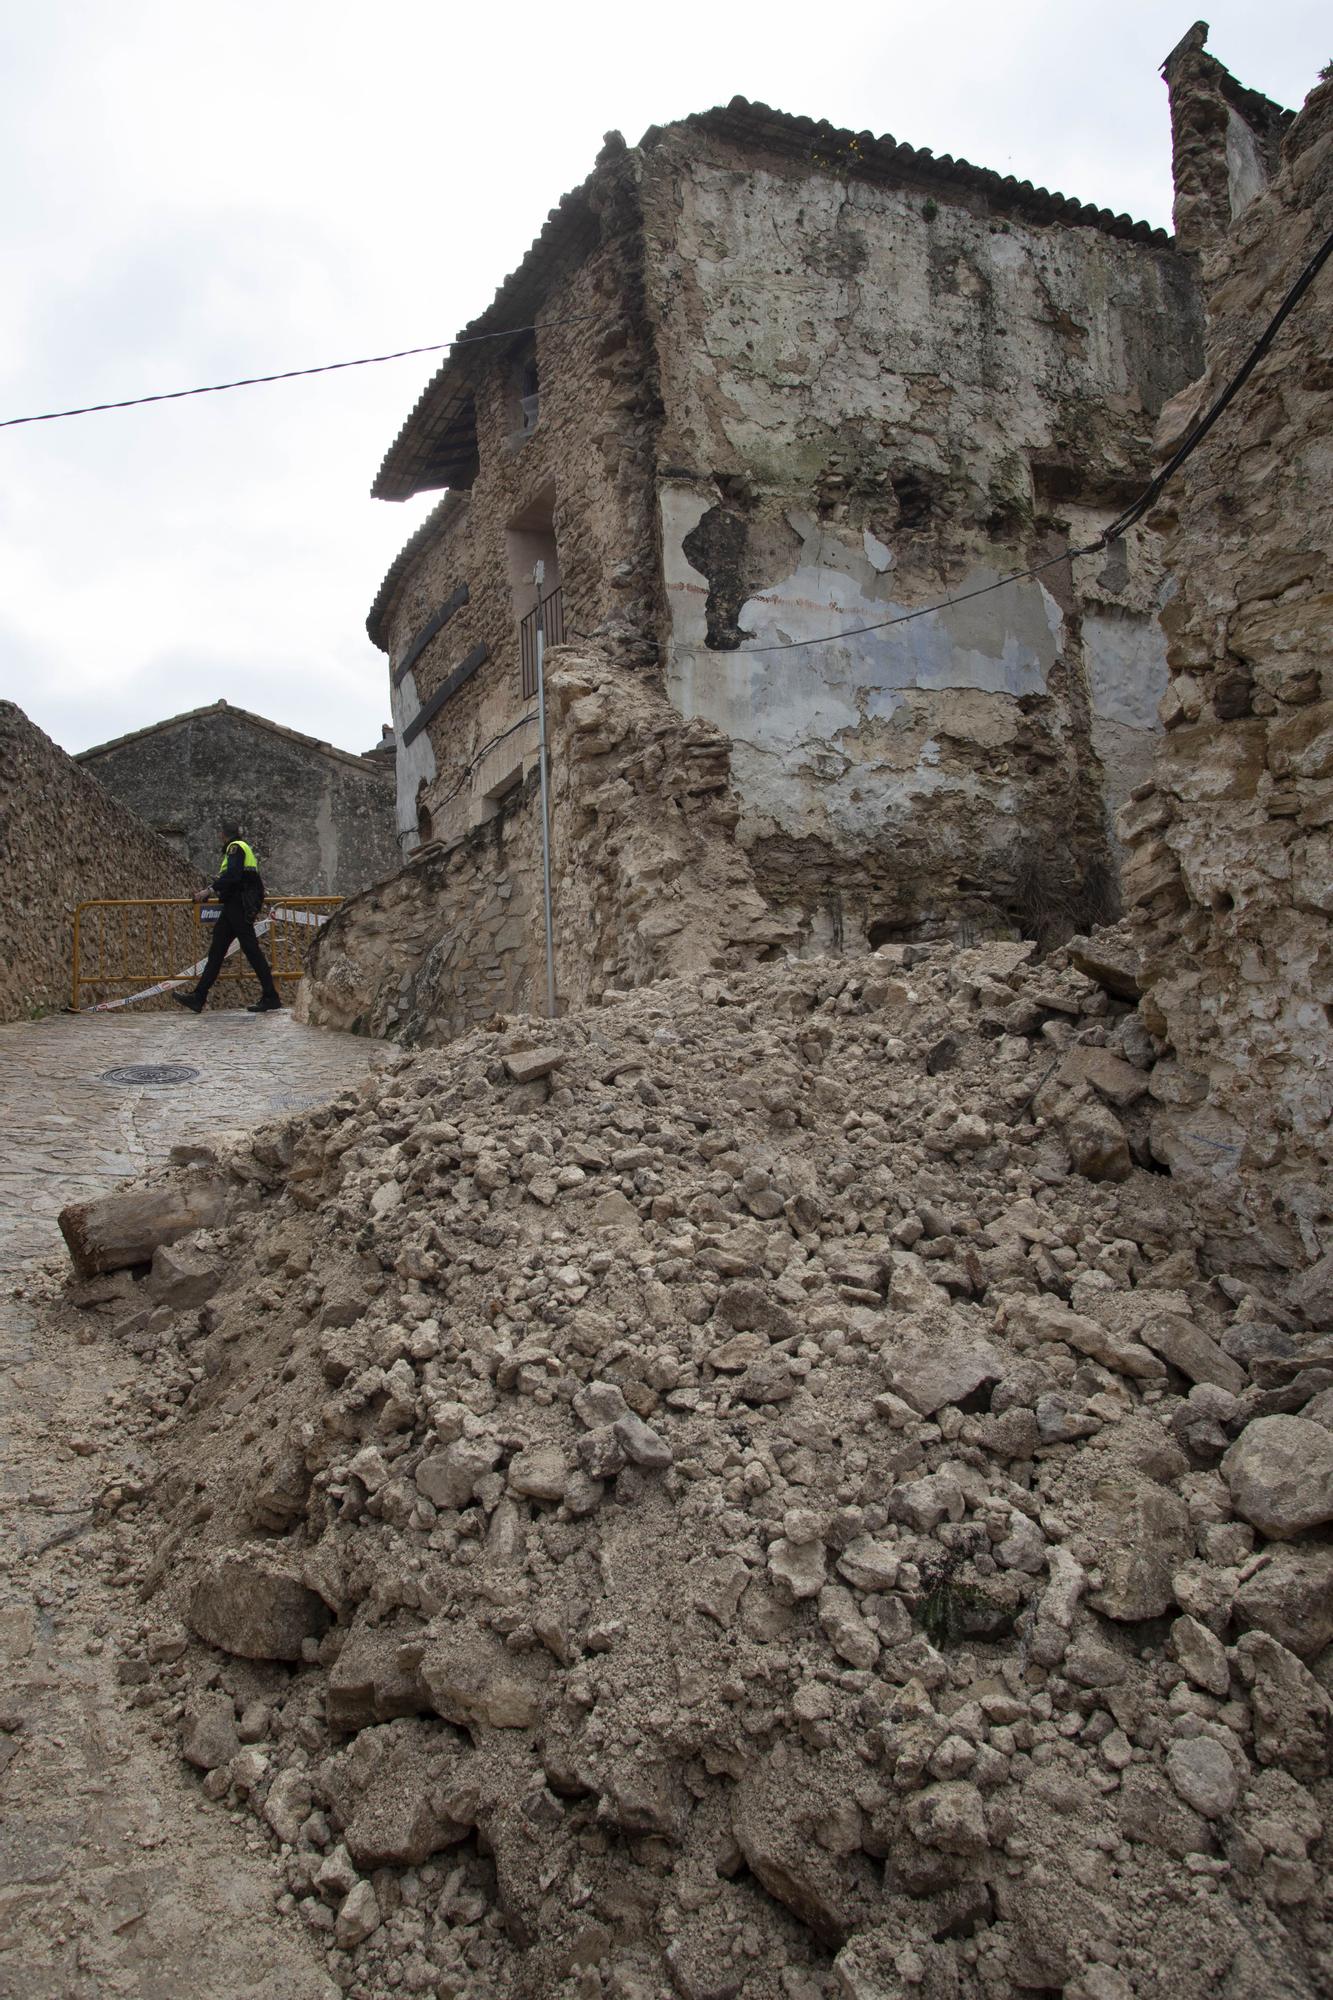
760,1491
63,840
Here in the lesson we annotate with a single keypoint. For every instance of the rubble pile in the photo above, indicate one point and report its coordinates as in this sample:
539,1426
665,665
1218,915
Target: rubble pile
765,1487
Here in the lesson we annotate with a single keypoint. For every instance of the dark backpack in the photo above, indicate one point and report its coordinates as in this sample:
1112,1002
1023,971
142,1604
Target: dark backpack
252,893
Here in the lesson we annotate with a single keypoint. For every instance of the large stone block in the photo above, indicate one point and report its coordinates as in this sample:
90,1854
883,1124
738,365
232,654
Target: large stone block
246,1605
1280,1471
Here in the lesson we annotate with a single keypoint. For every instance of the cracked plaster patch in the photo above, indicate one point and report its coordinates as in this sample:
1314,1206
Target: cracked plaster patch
807,725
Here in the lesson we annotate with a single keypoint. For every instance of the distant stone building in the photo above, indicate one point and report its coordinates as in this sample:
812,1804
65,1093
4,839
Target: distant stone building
320,819
788,383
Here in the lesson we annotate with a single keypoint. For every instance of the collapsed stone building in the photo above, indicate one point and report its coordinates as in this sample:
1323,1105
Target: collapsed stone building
785,382
320,818
759,1489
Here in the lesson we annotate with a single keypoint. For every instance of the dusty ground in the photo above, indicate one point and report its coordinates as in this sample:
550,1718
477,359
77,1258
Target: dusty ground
115,1876
772,1494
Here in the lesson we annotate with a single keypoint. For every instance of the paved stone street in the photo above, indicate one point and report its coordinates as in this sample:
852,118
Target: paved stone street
115,1876
69,1135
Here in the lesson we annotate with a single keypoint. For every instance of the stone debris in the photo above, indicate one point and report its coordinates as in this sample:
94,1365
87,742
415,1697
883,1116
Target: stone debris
751,1517
527,1065
1280,1473
247,1607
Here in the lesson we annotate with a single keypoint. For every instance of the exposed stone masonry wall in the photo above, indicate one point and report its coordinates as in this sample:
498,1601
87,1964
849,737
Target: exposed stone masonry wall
874,397
319,820
63,840
648,879
651,879
449,941
1231,877
589,461
1225,141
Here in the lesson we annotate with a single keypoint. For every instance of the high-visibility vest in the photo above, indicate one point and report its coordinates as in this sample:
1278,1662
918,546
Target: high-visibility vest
246,850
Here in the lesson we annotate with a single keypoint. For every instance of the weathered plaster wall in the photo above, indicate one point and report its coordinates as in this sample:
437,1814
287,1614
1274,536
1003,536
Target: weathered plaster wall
415,768
585,468
873,398
320,820
63,840
1231,876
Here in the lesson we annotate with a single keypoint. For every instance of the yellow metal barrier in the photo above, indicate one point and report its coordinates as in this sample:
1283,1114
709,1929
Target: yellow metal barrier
153,944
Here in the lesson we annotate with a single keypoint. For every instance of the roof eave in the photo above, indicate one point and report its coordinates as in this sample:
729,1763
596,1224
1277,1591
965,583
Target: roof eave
408,468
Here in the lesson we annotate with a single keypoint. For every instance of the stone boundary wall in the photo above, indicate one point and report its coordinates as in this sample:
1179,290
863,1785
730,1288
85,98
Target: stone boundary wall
63,840
450,940
649,881
1231,875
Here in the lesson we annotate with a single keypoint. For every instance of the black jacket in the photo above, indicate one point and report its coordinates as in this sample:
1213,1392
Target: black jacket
240,889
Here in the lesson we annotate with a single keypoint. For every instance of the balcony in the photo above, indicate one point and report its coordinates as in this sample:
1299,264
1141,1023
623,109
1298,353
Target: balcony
553,625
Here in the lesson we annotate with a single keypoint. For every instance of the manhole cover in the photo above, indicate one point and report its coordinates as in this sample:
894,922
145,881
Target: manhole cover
150,1073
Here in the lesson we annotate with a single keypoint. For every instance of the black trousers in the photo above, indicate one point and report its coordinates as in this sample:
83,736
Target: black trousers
233,923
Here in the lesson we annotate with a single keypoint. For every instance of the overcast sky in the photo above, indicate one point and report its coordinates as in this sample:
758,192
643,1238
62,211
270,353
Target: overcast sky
194,193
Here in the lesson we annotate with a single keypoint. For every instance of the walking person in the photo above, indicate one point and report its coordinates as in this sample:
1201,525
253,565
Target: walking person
239,887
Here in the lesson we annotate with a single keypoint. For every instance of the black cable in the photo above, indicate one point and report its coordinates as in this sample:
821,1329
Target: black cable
291,374
924,611
1113,533
485,750
1126,520
1205,424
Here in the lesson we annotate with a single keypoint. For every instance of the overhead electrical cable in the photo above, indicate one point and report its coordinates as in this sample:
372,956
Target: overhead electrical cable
1237,382
291,374
924,610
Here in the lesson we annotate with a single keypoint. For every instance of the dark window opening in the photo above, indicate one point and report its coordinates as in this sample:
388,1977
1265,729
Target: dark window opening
531,543
915,501
425,820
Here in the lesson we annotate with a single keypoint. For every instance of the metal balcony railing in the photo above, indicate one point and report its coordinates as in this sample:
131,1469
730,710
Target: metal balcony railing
553,625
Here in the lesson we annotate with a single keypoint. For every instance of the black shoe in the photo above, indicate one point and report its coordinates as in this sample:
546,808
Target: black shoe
269,1003
190,1000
